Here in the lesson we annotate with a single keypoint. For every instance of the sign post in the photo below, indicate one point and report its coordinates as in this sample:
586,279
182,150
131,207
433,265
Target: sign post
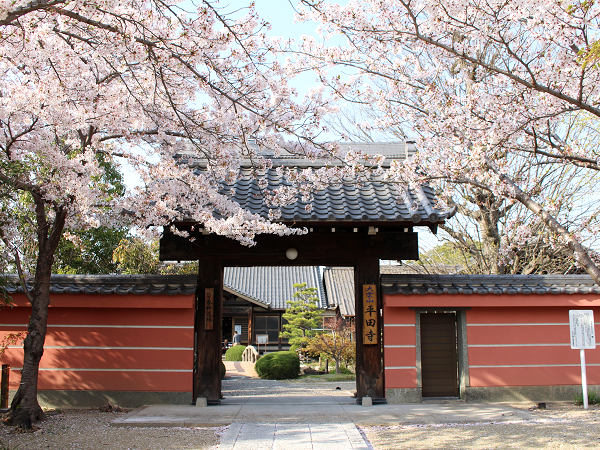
582,337
262,339
370,314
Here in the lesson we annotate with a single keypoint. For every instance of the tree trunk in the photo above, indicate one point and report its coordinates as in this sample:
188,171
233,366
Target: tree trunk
25,409
488,219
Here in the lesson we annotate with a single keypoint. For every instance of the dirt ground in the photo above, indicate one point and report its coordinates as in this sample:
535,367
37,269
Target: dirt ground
560,426
91,430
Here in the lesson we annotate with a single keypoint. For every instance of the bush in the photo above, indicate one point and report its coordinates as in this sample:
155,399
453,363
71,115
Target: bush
223,370
234,353
278,366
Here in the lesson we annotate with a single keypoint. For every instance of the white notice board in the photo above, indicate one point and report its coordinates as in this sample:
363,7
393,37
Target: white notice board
262,339
582,329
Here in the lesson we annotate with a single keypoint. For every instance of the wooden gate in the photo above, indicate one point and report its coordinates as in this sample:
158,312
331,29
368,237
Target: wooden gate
439,358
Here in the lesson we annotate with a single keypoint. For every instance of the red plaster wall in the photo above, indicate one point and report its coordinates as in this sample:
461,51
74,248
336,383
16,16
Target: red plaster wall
513,340
526,347
121,343
399,349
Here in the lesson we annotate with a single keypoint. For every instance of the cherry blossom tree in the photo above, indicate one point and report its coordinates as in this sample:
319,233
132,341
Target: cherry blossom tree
478,84
137,82
487,236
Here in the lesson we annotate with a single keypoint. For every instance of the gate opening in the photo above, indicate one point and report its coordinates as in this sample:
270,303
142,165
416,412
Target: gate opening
439,355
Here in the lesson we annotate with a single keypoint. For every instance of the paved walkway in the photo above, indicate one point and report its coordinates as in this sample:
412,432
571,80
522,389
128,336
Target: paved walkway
303,423
237,369
274,415
262,436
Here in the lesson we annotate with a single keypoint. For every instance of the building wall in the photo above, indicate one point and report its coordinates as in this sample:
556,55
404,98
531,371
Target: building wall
517,348
128,349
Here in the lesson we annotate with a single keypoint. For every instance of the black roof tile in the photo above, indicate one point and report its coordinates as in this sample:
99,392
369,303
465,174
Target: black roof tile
409,284
113,284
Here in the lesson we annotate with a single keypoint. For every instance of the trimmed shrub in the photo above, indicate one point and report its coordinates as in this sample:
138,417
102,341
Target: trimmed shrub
234,353
223,370
278,366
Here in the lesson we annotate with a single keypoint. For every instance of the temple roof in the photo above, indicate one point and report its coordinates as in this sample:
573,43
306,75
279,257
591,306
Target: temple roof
272,287
372,202
415,284
339,285
347,202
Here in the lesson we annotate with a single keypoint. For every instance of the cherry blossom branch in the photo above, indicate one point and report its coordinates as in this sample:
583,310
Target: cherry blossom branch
18,265
27,8
581,253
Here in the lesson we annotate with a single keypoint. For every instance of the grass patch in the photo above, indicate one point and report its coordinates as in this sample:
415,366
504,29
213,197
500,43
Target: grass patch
593,398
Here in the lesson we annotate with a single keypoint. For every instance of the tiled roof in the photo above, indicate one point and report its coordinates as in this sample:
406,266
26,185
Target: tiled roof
488,284
408,267
272,287
372,202
113,284
339,285
393,151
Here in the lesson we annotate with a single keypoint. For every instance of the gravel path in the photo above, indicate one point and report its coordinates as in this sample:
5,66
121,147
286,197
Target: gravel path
564,427
91,430
242,387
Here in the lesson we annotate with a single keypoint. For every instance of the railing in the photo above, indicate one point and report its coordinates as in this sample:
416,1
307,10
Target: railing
250,354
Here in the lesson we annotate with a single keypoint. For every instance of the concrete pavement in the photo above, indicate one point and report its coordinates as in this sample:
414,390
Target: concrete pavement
320,416
316,410
268,423
260,436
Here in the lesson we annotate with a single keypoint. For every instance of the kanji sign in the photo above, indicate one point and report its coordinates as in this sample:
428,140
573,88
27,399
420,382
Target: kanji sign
369,306
209,305
583,337
582,329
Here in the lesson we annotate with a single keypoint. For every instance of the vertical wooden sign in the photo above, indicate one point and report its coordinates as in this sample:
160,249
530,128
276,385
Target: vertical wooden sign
209,311
369,305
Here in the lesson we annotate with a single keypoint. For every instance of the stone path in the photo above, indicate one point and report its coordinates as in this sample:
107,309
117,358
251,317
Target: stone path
275,415
237,369
260,436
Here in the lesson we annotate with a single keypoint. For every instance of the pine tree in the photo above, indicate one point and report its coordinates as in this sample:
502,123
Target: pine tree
303,316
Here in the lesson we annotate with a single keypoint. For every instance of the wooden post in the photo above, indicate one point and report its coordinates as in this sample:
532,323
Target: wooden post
369,373
4,386
209,317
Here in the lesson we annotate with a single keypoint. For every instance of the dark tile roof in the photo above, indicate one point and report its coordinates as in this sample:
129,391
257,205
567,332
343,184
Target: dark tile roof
113,284
272,287
393,151
409,267
374,201
339,285
488,284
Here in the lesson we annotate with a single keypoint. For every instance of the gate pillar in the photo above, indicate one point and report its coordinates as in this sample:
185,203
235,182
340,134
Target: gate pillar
369,373
207,327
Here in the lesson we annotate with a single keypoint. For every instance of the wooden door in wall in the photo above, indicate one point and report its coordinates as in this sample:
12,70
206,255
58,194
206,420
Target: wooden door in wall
439,358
